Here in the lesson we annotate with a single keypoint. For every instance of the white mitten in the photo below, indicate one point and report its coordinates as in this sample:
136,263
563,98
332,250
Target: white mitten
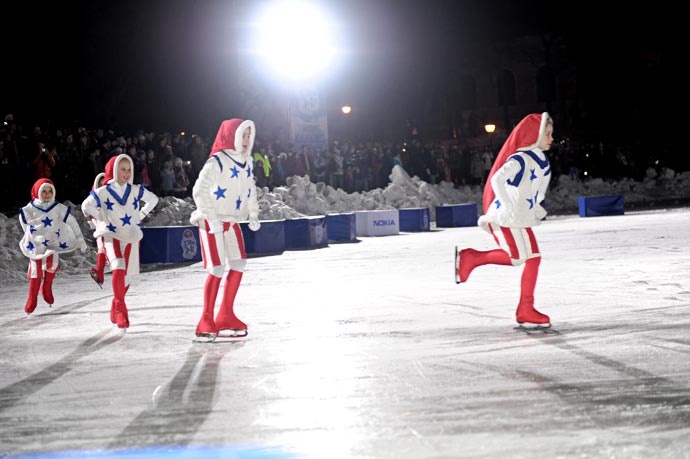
254,224
215,227
81,245
540,212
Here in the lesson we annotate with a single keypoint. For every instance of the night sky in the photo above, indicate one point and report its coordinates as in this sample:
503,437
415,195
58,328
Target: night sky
169,65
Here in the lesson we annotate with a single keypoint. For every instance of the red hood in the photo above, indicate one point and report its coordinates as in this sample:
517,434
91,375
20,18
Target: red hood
40,183
229,136
111,168
525,136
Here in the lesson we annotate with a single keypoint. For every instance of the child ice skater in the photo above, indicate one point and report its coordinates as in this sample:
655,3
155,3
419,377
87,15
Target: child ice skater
97,273
118,211
49,229
513,196
225,194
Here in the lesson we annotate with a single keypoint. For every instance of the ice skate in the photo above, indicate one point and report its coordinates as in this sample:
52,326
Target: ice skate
464,264
533,319
206,330
121,315
231,328
94,275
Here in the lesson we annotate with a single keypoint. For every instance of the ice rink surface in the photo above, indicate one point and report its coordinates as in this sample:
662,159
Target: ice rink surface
370,350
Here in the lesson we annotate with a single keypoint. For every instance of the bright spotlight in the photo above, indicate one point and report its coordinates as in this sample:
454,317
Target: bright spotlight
346,109
295,40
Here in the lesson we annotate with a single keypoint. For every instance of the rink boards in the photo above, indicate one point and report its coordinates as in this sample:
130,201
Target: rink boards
180,244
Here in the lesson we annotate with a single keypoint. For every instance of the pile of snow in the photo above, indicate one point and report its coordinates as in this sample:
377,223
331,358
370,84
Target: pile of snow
300,198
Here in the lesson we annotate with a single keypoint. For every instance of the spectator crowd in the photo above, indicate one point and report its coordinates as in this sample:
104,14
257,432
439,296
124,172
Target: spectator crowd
168,164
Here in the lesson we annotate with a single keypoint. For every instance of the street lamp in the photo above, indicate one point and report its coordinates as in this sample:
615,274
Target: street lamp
347,109
490,129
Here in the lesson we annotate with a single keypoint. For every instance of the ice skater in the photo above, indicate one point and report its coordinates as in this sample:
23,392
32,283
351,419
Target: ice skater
97,273
225,194
49,229
513,197
118,211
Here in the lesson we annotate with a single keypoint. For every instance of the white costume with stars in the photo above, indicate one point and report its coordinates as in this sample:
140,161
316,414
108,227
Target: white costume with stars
49,228
118,211
225,190
521,182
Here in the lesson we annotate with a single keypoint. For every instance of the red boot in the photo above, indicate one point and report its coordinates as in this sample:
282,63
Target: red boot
468,259
47,288
206,329
119,291
113,308
226,320
100,266
526,315
32,300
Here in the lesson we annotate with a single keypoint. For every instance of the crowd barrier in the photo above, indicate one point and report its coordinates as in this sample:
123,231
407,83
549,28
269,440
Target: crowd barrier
415,219
377,222
170,244
306,233
341,227
596,206
456,215
179,244
269,240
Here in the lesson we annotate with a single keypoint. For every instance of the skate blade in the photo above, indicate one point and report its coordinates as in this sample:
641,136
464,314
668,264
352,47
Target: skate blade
528,326
537,330
95,278
232,333
204,338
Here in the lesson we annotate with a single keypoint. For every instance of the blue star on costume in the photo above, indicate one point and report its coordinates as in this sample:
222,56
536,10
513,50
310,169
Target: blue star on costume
111,228
57,233
126,220
109,204
47,221
46,242
63,245
30,246
220,193
32,229
135,203
238,203
249,172
498,204
533,201
235,172
533,175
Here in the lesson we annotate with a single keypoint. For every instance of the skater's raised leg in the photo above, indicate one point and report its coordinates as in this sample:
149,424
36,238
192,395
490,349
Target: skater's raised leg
468,259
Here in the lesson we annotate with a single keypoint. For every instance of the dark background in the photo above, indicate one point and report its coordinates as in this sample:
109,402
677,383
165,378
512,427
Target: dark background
171,65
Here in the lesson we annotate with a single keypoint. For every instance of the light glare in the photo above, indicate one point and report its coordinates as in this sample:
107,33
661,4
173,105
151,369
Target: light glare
295,40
